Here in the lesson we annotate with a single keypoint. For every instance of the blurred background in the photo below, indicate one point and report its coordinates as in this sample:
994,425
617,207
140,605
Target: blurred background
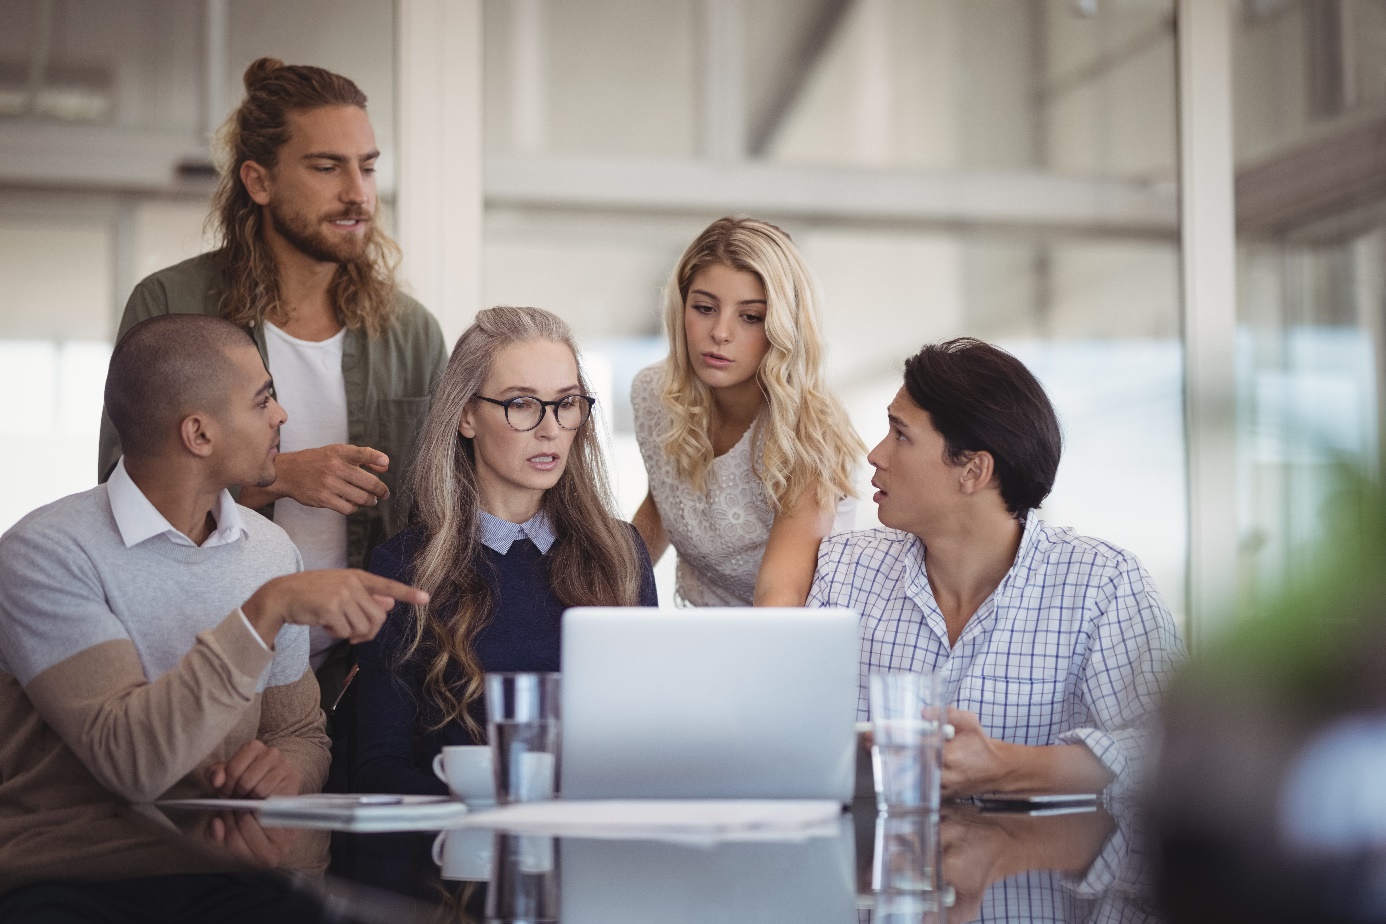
1177,225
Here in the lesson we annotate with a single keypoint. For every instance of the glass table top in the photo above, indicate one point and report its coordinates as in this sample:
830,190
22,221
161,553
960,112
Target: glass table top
964,864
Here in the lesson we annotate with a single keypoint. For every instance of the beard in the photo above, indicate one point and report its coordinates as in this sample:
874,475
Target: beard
307,236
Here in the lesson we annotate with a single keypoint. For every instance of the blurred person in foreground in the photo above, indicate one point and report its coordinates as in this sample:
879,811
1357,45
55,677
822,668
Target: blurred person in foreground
1052,646
306,269
153,634
1269,801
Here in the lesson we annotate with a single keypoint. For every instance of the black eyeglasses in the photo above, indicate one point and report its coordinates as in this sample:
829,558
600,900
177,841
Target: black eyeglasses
525,412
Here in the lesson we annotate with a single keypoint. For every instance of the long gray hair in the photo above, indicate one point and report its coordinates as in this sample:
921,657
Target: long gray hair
593,563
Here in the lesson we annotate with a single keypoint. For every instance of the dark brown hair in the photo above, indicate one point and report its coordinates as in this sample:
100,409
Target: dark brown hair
363,290
982,399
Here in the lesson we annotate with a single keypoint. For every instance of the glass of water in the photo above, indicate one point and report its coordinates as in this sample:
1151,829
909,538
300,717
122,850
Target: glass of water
907,728
522,724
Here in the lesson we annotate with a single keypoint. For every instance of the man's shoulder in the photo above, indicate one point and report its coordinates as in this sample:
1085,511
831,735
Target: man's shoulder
84,514
876,549
411,318
270,541
1063,544
189,287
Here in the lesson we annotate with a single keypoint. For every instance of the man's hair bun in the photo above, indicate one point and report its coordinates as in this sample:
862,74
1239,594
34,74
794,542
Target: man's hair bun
260,69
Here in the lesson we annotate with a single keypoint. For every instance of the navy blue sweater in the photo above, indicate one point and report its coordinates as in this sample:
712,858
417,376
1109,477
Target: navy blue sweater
395,735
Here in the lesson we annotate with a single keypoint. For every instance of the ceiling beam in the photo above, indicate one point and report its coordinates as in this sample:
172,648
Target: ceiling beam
827,20
945,199
1315,188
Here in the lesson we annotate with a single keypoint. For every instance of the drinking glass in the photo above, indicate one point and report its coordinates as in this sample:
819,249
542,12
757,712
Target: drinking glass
524,880
907,727
522,724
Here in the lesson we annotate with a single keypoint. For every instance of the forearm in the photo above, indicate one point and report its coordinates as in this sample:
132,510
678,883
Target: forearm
1048,768
291,720
782,589
786,569
138,737
1067,843
648,523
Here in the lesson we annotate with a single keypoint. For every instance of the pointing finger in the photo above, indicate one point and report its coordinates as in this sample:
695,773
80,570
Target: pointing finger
379,586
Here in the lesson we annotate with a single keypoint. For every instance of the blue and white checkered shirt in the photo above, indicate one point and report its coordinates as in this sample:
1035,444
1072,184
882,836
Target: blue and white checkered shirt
1073,646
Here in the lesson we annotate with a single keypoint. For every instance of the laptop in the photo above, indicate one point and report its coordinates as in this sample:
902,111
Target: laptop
813,881
708,703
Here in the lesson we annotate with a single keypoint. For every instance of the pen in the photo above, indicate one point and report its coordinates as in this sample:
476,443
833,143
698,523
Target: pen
351,675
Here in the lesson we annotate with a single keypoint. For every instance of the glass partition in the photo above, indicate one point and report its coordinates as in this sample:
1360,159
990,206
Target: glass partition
1309,97
949,167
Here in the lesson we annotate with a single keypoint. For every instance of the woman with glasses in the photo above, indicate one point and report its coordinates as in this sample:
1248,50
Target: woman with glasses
513,523
750,457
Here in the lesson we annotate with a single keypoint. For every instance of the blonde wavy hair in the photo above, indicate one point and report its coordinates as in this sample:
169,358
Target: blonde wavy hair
809,444
363,291
594,561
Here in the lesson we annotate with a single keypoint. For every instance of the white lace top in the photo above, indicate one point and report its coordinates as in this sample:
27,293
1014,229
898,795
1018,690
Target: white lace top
719,534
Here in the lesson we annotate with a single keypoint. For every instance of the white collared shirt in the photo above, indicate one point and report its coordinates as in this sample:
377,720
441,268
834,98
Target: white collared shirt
139,520
497,534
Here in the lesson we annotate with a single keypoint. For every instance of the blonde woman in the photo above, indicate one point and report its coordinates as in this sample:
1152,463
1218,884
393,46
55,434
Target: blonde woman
514,523
749,456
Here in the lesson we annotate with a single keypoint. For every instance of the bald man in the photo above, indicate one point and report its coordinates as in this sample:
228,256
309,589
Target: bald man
153,634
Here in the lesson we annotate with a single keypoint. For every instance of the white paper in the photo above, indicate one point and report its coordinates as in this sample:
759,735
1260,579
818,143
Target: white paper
335,811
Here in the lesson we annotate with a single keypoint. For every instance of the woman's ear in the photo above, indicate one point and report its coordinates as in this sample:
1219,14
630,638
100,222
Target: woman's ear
466,425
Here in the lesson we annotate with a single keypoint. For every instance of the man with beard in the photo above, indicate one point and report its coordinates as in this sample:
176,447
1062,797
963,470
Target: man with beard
306,270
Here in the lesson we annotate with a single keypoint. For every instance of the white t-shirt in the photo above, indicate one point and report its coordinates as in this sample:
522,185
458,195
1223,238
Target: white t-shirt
308,384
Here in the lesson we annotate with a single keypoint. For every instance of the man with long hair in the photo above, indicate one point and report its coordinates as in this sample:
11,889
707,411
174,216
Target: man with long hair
304,267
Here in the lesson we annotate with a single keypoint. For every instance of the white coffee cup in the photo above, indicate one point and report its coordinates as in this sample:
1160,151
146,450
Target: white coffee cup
464,854
469,772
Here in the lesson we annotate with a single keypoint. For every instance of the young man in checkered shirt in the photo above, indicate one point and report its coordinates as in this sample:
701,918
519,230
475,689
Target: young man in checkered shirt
1052,647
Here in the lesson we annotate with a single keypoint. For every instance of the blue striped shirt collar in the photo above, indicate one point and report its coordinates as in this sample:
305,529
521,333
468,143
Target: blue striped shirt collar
498,534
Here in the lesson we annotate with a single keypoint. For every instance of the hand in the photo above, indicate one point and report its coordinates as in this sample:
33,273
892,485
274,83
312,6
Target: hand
972,762
978,849
975,851
255,771
338,477
348,603
242,834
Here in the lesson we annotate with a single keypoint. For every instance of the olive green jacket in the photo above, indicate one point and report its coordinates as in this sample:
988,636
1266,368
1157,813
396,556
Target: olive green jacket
388,384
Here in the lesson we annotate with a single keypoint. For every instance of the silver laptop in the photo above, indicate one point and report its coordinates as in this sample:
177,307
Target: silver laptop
641,882
708,703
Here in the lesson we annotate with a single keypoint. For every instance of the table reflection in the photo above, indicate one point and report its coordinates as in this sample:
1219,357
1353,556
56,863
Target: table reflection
906,881
959,865
969,865
149,866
